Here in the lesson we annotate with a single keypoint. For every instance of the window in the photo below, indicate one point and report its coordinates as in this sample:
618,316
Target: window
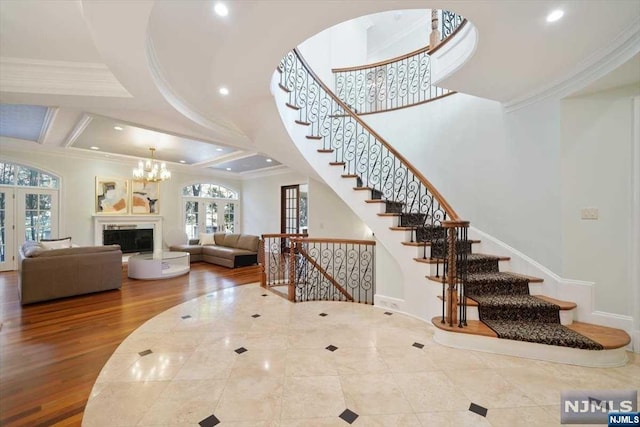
209,208
28,208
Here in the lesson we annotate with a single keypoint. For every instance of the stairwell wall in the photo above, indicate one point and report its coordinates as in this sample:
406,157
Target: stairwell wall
501,171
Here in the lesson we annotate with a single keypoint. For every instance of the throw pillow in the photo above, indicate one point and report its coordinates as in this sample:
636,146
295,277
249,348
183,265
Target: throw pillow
56,243
206,239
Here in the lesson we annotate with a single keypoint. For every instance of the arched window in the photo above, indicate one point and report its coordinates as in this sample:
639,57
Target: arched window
28,208
209,208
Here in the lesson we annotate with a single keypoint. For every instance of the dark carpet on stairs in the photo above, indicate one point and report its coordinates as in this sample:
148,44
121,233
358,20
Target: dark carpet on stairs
504,302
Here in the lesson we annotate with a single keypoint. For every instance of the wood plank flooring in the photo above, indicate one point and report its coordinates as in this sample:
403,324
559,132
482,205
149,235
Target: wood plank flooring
51,353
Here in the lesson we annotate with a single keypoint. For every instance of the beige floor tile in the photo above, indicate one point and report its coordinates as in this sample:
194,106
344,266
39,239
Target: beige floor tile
156,367
117,366
314,422
184,402
406,359
373,394
476,383
312,397
453,419
310,362
258,363
251,399
530,417
431,391
122,403
359,361
391,420
203,365
447,358
539,384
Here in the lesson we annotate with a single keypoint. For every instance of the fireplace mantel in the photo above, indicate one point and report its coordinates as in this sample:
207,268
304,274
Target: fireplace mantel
152,221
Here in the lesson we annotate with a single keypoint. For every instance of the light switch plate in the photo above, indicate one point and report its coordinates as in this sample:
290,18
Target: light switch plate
589,213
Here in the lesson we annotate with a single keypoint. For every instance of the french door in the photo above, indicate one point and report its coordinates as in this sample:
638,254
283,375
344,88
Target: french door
208,216
25,214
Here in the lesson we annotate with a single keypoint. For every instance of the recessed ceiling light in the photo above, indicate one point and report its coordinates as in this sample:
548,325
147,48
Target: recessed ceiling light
182,161
220,9
218,149
269,160
228,169
223,91
555,15
118,127
93,147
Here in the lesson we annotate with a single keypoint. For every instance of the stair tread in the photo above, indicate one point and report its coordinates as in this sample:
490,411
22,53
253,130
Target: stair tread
374,201
362,188
429,242
337,163
388,214
609,338
471,257
325,150
531,279
564,305
349,175
314,137
400,228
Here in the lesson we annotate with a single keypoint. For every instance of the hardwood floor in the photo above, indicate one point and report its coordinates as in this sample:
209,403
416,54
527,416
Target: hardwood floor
51,353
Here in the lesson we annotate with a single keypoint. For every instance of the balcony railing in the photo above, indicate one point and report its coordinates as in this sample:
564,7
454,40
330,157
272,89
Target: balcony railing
309,269
398,82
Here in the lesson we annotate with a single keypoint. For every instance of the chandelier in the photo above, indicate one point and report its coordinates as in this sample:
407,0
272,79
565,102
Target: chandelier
151,170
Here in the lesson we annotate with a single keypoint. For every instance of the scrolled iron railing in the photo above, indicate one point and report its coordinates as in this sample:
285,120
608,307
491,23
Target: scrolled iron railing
334,270
318,269
397,82
365,155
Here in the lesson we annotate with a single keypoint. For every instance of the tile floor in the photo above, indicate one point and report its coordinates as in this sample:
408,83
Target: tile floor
247,357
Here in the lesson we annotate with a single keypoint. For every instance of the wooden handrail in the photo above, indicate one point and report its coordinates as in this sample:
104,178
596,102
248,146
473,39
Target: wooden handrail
284,235
426,49
331,240
322,271
445,205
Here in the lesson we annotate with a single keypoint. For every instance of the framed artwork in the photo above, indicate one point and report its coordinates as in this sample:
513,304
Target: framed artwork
112,195
145,197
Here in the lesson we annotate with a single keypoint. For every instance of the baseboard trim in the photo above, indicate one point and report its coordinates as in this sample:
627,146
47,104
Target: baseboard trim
570,356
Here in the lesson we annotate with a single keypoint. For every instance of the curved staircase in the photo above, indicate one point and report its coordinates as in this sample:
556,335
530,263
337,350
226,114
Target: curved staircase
495,303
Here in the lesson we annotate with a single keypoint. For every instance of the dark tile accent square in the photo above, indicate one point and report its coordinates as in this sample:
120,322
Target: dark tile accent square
240,350
417,345
144,353
388,313
480,410
331,348
209,421
187,316
323,314
255,316
264,295
349,416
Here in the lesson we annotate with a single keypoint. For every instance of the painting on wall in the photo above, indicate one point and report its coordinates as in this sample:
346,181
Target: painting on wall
145,197
112,195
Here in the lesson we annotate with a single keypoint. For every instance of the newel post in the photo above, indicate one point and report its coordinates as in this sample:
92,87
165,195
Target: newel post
292,270
434,37
452,260
261,259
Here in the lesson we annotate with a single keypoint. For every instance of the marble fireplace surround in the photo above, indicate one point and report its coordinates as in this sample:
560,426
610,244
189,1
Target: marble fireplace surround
141,221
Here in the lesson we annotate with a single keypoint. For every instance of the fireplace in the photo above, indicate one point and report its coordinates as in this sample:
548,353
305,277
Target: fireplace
149,228
130,238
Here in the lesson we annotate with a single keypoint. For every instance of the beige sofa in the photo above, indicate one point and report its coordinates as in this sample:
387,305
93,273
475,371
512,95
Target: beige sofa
229,250
46,274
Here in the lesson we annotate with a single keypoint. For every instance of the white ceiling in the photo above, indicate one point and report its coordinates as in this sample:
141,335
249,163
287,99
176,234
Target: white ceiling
158,65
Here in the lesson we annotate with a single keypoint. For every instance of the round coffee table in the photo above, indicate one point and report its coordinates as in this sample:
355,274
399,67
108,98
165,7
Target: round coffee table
158,265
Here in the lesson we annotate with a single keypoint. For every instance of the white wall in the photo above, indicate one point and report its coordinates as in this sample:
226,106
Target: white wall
596,148
499,171
78,188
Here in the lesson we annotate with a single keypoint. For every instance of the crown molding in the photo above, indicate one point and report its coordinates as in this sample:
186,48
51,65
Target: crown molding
597,65
236,155
265,172
25,75
52,112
